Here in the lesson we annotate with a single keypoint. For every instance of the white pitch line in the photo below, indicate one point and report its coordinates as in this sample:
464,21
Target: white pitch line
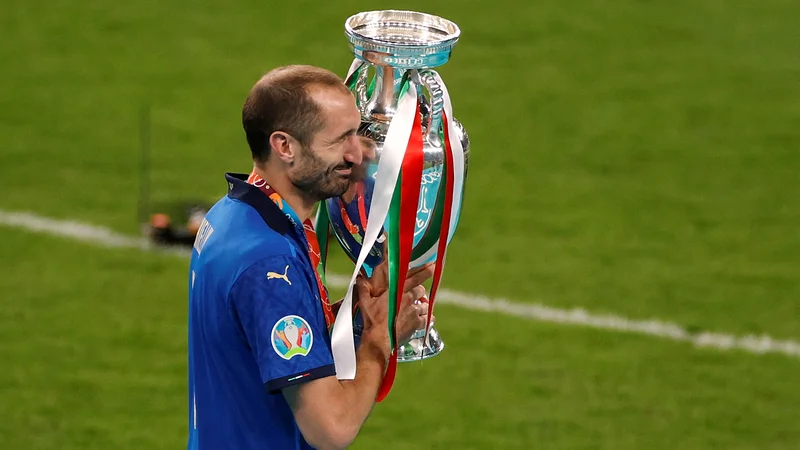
762,344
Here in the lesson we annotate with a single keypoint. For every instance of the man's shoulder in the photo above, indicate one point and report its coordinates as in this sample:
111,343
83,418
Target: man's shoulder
233,237
281,271
241,225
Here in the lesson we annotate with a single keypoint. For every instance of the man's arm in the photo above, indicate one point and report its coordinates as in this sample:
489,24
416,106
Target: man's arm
330,412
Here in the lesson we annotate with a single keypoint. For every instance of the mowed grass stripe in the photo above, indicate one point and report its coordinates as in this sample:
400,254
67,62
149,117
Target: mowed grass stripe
758,344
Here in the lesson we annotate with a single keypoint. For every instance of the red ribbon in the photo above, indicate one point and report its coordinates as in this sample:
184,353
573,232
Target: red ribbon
411,180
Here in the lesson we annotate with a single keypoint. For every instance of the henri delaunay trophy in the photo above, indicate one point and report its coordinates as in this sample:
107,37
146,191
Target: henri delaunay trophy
406,209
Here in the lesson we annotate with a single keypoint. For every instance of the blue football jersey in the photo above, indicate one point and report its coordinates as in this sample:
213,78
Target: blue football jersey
256,324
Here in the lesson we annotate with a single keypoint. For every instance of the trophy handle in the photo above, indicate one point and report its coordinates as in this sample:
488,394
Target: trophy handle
361,87
430,79
357,82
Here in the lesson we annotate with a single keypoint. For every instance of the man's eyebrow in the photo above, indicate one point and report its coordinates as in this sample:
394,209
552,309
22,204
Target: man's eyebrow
349,132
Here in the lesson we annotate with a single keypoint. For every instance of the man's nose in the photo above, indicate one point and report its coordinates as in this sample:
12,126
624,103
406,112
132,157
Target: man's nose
368,148
355,150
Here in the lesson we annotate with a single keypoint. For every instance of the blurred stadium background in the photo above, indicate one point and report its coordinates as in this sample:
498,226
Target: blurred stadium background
634,158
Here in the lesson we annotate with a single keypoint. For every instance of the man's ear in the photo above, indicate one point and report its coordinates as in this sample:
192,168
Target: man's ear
283,146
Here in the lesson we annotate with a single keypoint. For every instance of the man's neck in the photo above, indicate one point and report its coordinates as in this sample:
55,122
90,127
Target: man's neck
277,179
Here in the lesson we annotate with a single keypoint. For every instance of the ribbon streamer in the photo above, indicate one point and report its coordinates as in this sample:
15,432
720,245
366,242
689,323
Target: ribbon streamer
401,238
453,174
342,339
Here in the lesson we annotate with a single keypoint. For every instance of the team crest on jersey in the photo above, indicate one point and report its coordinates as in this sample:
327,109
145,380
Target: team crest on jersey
292,336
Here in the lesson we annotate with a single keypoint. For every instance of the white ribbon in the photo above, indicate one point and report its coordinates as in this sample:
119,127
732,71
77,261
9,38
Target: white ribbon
391,161
458,157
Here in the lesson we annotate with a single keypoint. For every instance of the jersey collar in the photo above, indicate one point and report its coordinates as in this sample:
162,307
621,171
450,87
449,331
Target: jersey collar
240,189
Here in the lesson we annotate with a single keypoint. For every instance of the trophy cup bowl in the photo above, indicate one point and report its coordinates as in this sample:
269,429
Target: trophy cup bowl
393,48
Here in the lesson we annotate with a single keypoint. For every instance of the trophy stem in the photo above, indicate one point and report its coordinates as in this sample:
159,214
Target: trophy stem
383,104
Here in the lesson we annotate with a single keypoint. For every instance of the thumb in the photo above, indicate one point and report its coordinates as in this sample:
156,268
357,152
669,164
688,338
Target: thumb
362,288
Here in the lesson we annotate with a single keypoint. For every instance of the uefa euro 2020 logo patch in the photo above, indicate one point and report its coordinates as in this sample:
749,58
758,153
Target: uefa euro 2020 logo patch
291,336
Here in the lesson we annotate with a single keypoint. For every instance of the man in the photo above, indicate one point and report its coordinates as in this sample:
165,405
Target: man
261,372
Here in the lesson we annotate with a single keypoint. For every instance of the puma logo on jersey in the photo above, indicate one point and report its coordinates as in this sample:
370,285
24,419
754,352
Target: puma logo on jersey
283,276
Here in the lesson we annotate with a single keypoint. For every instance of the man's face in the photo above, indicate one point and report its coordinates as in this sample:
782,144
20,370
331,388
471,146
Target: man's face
325,168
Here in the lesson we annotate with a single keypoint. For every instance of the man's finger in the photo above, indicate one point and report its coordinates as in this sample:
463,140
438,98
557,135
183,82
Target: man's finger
429,268
418,276
415,296
418,293
362,288
420,320
379,281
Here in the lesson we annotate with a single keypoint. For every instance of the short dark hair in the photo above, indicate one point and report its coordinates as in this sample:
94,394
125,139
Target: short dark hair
281,101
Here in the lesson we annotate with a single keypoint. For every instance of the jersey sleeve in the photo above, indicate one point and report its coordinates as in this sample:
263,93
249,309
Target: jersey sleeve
282,322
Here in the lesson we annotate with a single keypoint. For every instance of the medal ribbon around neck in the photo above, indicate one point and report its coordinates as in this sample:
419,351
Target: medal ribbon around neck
317,256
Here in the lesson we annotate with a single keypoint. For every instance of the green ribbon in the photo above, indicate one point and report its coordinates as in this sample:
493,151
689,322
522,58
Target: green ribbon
393,225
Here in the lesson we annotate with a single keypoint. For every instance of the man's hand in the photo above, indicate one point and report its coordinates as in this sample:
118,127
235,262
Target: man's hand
329,412
412,314
379,282
375,315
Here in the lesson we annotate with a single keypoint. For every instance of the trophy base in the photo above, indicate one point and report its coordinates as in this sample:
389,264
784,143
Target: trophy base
418,348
